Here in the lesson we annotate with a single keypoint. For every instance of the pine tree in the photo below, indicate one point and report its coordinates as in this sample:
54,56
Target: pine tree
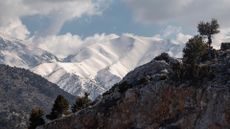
81,103
36,118
194,50
60,108
207,29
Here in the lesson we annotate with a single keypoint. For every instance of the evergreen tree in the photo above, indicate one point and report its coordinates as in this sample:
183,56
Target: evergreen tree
36,118
208,29
60,107
194,50
81,103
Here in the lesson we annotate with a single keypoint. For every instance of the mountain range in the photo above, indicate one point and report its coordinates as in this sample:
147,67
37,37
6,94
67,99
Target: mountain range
94,67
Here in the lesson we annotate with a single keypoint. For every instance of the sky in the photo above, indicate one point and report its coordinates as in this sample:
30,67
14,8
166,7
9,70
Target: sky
76,20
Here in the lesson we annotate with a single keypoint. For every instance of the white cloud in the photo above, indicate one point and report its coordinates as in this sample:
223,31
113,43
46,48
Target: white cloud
186,12
15,29
223,36
58,11
183,38
61,45
175,34
171,30
68,44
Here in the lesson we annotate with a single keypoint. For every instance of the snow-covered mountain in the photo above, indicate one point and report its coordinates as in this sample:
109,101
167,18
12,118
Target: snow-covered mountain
14,53
94,67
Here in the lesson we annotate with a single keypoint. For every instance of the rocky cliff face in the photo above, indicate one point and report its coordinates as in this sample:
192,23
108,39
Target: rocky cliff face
150,98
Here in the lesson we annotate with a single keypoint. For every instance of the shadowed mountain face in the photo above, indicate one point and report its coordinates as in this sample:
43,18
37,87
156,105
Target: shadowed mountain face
20,91
150,97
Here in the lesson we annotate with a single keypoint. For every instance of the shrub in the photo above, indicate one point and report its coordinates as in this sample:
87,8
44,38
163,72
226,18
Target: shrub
36,118
163,56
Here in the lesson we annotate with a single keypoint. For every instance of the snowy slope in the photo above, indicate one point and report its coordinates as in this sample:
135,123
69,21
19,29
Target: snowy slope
95,66
14,53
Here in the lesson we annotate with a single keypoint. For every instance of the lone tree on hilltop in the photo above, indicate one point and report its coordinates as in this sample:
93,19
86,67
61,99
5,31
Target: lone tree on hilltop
60,107
36,118
81,103
208,29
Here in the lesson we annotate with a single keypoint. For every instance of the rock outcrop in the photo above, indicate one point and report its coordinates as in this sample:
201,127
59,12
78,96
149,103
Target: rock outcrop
225,46
150,98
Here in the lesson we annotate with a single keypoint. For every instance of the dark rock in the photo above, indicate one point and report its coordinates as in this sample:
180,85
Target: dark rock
225,46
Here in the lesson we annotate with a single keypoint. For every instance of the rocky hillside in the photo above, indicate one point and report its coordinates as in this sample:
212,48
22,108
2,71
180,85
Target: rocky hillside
154,97
20,91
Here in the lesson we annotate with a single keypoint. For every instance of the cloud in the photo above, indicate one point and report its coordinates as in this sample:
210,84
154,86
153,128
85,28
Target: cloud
175,34
223,36
171,30
183,38
58,11
15,29
184,12
178,36
68,44
61,46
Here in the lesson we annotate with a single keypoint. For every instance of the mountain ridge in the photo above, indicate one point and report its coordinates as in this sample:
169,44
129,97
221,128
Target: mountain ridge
96,66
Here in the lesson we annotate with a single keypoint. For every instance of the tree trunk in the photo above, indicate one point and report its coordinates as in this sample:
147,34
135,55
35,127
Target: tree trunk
209,46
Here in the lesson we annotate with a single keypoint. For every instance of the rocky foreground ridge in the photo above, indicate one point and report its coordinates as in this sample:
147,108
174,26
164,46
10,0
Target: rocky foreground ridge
153,96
